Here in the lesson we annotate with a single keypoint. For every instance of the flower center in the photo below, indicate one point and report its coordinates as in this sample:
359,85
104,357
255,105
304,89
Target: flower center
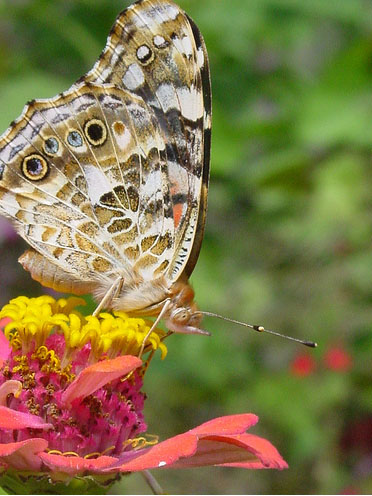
50,346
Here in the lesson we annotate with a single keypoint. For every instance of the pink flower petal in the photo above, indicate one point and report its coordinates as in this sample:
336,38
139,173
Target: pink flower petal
242,450
75,464
162,454
5,348
23,455
199,447
99,374
9,387
12,419
230,424
264,450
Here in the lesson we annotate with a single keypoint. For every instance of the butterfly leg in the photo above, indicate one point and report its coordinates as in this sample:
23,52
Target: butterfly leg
109,296
163,311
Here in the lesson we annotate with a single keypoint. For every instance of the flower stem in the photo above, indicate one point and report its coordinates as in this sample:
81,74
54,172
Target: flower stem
152,482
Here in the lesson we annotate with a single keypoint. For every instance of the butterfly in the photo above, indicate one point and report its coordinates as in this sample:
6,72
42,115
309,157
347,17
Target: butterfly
107,182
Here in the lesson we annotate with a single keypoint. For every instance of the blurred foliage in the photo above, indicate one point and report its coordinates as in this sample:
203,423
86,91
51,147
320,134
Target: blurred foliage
288,237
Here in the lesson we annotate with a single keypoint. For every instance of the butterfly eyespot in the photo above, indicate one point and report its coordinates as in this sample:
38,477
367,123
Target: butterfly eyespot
144,54
160,42
74,139
95,131
35,167
51,146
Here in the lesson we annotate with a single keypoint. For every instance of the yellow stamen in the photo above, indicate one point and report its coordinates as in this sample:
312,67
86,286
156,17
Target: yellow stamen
97,453
34,319
136,443
141,442
66,453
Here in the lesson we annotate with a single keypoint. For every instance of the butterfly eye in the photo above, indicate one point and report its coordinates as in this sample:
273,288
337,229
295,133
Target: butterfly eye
74,139
144,54
181,315
35,167
95,131
51,146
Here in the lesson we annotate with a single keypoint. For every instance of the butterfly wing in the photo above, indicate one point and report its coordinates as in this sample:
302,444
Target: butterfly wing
157,52
70,191
109,178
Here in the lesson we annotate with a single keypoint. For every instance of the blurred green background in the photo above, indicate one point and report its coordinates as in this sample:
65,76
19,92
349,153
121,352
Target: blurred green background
288,235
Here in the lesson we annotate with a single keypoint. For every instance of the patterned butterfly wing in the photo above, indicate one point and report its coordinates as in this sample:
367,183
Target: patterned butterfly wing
71,184
109,178
157,52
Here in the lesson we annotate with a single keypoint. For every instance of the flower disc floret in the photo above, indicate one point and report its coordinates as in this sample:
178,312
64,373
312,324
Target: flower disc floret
79,376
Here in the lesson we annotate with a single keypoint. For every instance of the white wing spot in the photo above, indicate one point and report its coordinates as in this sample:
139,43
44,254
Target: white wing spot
183,45
167,96
161,464
115,57
200,57
105,73
9,203
134,77
154,16
97,183
144,53
122,134
159,41
172,11
190,102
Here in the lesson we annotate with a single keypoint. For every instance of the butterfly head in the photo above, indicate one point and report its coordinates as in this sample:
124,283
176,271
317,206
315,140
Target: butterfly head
184,316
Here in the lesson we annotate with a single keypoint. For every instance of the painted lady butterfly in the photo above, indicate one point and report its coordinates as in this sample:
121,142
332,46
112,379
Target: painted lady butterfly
107,182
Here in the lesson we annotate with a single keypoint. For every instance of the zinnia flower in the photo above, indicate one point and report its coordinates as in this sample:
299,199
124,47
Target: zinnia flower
338,359
71,405
303,365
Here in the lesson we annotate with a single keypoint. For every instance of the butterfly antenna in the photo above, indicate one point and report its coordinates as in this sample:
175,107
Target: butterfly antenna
260,328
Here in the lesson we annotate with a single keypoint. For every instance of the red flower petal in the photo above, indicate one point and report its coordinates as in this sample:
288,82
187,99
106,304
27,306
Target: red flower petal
75,464
162,454
99,374
242,450
231,424
198,447
12,419
267,454
23,455
9,387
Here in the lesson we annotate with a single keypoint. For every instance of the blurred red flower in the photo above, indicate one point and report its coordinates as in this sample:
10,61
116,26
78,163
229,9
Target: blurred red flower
338,359
303,365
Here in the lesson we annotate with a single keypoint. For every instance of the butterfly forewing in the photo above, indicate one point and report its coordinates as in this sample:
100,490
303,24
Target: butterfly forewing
158,53
109,179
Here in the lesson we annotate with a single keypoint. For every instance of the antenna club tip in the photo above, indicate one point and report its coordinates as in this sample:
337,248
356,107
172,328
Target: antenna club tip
259,328
311,344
